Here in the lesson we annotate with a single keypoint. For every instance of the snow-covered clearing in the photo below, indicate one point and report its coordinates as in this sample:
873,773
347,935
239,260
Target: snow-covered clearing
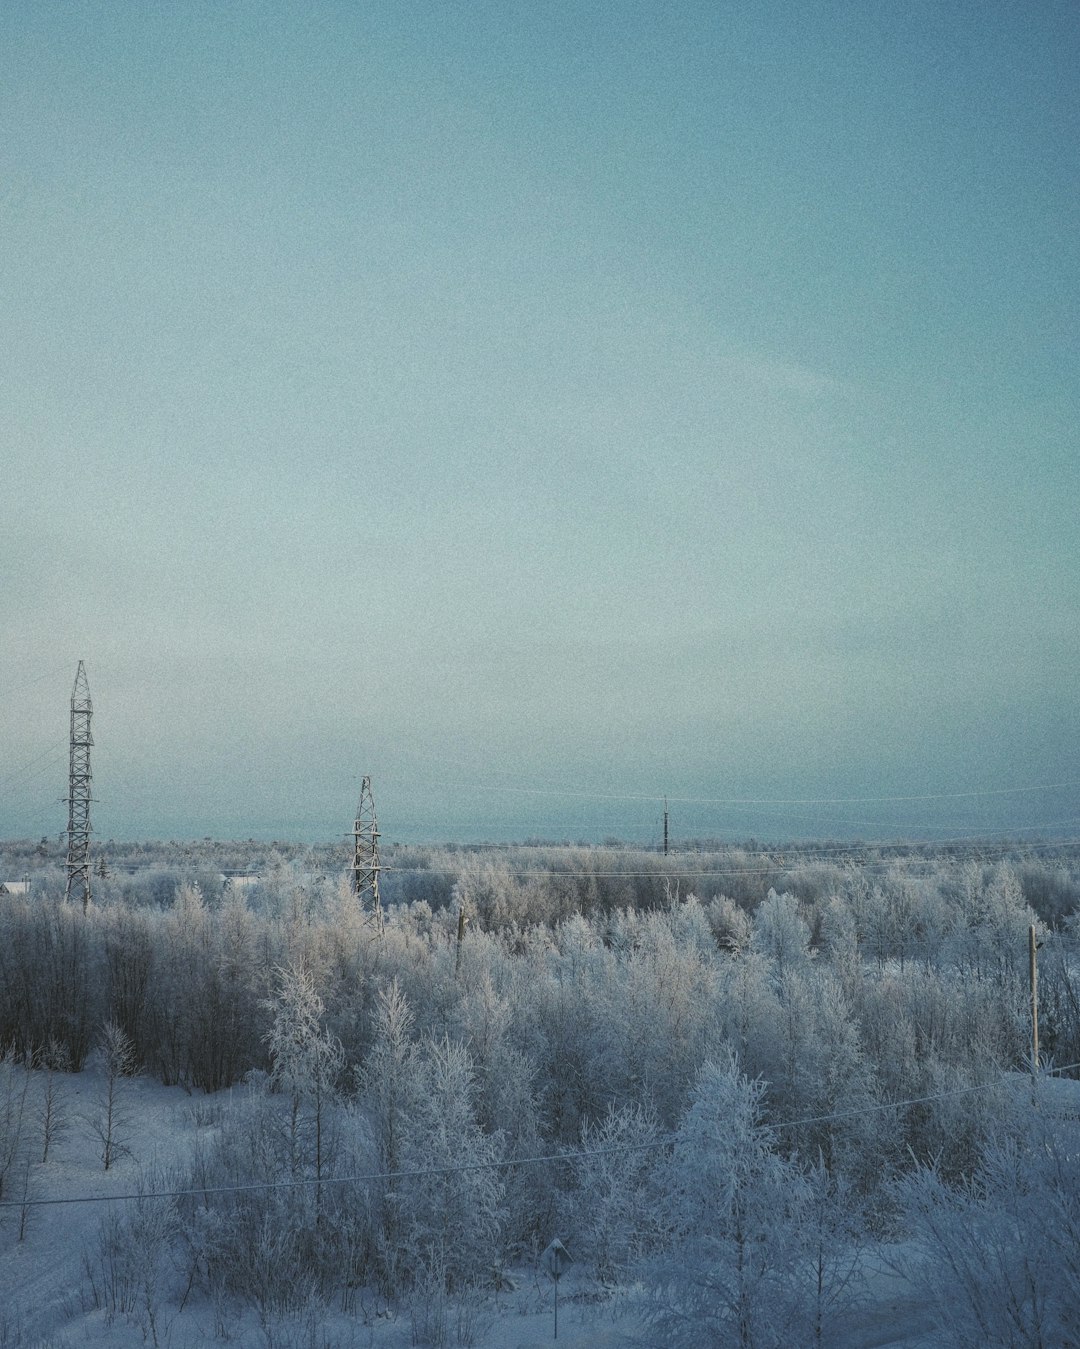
49,1275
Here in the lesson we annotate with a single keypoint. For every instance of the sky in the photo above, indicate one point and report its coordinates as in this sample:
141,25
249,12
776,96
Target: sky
544,408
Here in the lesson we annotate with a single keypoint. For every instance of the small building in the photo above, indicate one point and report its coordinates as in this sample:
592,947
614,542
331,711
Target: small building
239,880
22,887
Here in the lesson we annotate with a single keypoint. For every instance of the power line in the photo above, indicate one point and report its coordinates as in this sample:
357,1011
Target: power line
54,753
778,800
803,852
35,679
668,1140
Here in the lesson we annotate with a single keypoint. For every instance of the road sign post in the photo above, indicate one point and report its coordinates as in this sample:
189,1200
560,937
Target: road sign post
556,1259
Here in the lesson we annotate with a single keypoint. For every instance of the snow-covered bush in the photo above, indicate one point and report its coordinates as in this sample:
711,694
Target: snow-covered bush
276,1238
999,1252
128,1269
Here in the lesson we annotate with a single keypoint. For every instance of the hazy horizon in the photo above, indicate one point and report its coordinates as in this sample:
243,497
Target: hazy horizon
463,807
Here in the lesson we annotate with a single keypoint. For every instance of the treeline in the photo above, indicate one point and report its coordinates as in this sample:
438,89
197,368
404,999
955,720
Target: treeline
541,882
853,983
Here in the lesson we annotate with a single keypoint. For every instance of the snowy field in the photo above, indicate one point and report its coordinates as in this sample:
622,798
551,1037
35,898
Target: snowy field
49,1275
53,1279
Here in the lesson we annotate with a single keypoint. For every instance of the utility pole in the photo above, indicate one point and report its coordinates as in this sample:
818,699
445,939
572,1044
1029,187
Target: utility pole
665,826
1033,978
366,866
461,921
78,798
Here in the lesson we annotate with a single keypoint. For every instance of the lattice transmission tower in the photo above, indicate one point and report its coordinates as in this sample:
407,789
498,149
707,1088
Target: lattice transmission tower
78,797
366,866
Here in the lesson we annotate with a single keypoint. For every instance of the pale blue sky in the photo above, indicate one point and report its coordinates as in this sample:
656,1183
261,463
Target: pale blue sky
616,399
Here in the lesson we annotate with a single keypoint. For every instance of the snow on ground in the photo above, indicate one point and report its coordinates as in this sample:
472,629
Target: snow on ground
47,1299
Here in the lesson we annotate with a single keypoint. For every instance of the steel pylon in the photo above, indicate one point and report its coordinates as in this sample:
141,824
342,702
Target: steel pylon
78,798
366,866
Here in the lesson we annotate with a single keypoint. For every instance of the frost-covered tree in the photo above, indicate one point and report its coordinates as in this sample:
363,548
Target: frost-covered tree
653,1002
389,1084
52,1114
730,925
208,1002
178,994
129,964
388,1079
450,1196
748,1011
779,933
733,1208
307,1060
830,1242
228,1029
896,922
50,986
840,942
573,1055
14,1090
109,1119
615,1211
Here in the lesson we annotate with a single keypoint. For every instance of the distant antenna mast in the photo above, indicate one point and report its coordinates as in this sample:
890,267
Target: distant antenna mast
366,867
78,798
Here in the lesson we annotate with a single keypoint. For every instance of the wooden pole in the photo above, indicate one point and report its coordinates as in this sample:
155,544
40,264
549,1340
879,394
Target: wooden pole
460,940
1033,976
